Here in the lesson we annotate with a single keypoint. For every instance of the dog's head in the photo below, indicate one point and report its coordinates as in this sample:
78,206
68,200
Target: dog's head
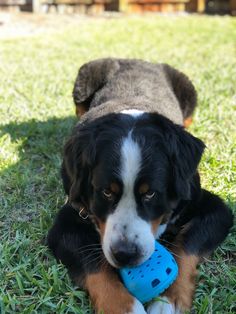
128,172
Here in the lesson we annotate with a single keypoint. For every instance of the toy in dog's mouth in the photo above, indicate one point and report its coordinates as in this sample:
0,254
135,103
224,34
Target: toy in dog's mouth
151,278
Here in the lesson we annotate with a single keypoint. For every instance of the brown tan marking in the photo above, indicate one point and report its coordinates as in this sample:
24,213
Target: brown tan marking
188,121
101,225
107,293
80,110
181,292
144,188
155,224
115,188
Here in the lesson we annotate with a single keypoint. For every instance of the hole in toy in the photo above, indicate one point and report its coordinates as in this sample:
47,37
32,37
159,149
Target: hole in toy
129,272
158,263
152,269
147,265
156,250
149,258
142,276
132,278
155,282
168,270
159,256
140,272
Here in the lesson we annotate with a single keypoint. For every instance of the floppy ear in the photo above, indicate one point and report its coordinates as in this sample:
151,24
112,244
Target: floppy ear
79,156
185,154
91,77
183,89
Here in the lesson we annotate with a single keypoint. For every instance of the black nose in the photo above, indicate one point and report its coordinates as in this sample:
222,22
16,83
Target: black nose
125,253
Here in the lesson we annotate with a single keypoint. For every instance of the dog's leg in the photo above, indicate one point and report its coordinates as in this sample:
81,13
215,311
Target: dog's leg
181,292
188,121
179,296
108,294
76,244
208,226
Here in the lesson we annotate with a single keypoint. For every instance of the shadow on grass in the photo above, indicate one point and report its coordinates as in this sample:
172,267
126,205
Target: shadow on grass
33,182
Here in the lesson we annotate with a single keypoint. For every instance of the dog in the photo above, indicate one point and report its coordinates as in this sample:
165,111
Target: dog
130,171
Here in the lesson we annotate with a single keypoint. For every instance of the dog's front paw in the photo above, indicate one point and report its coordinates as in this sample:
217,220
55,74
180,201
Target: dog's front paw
162,307
137,308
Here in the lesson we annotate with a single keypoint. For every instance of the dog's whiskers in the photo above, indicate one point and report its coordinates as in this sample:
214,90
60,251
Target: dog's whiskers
97,258
89,245
103,263
87,250
179,256
92,254
173,244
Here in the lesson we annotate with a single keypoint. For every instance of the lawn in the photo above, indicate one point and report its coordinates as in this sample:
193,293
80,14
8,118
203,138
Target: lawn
36,117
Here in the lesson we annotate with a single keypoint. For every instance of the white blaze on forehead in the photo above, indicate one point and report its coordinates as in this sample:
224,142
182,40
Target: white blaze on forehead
124,222
133,112
130,162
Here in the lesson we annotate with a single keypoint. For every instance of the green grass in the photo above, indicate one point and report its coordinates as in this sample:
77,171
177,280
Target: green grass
36,114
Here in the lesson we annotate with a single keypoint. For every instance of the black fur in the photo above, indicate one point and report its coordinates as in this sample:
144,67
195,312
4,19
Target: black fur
70,239
210,220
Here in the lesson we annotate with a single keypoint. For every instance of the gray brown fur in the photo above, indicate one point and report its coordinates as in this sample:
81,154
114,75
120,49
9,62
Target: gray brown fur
111,85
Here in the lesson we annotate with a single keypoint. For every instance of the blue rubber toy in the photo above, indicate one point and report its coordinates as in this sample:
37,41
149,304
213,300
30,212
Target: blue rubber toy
153,277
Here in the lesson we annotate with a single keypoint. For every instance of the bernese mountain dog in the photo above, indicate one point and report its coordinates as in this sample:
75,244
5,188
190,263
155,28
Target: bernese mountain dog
130,173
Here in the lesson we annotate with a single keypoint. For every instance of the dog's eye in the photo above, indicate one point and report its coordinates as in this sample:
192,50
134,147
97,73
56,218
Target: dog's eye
108,194
149,195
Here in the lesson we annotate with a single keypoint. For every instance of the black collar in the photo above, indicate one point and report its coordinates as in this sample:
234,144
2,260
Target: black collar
82,211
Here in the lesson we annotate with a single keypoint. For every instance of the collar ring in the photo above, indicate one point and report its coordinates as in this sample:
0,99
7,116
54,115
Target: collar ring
83,214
